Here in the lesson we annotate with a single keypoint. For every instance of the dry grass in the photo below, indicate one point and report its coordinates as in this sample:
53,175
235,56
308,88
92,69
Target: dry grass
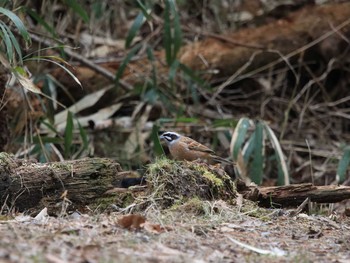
194,237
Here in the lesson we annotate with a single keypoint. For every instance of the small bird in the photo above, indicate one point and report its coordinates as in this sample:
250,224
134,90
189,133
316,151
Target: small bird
185,148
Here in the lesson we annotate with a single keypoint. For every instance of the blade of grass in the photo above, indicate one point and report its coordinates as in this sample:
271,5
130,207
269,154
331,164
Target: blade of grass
68,134
126,61
167,39
41,21
284,178
138,22
77,8
157,147
144,10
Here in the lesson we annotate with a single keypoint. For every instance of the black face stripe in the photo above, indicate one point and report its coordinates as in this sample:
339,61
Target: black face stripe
170,136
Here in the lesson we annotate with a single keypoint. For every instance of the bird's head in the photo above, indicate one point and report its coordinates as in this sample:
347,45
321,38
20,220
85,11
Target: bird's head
170,137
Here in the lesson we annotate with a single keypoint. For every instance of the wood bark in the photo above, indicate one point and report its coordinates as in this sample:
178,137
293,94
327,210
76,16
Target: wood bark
28,185
294,195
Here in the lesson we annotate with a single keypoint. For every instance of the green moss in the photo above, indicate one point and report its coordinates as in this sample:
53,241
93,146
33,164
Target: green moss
171,183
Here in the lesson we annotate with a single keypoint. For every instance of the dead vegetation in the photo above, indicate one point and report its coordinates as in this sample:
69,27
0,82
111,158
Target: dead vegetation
283,63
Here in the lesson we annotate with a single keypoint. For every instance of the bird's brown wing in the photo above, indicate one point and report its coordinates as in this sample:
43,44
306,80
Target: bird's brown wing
196,146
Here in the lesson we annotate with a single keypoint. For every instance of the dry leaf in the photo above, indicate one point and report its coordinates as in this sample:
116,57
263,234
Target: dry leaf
133,221
155,228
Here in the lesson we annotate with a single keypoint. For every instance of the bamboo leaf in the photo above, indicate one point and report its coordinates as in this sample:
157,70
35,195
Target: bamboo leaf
16,46
8,44
256,169
18,23
284,178
238,137
139,20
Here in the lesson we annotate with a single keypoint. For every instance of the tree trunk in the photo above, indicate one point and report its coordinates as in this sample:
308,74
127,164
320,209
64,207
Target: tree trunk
28,185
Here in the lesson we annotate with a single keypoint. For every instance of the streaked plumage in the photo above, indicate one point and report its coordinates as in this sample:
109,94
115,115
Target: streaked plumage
185,148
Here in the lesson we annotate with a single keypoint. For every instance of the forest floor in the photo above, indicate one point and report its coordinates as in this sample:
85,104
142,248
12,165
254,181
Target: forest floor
219,233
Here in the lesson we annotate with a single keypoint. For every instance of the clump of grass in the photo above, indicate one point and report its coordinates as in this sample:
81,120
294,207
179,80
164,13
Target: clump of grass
171,182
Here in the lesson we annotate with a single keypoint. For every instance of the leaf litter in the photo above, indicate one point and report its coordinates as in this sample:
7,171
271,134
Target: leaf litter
221,232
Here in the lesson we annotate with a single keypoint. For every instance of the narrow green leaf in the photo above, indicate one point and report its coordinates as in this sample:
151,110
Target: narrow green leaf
189,72
224,123
50,126
83,136
256,168
157,147
58,64
45,139
151,58
167,39
343,165
238,137
8,44
18,23
77,8
138,22
68,134
126,61
248,148
284,180
144,10
41,21
177,38
16,46
172,70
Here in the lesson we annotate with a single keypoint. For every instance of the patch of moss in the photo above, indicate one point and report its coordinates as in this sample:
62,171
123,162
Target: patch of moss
171,182
193,205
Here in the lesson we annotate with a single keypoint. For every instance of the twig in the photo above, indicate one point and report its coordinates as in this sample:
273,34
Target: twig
124,85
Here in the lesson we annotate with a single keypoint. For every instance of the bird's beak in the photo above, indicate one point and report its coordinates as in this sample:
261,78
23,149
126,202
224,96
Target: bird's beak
161,136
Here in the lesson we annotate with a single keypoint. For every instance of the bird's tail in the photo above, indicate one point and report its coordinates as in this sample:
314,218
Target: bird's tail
222,160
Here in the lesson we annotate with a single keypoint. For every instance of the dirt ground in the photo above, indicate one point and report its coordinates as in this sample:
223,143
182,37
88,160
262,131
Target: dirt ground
219,233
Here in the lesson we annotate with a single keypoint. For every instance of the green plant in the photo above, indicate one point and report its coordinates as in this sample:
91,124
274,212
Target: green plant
343,165
250,153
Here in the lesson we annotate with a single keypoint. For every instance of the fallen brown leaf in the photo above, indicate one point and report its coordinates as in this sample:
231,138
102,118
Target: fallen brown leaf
133,221
155,228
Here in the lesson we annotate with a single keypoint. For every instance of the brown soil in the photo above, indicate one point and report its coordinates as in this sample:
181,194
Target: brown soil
193,237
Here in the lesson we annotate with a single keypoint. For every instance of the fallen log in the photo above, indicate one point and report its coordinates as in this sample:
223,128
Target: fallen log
222,56
293,195
30,186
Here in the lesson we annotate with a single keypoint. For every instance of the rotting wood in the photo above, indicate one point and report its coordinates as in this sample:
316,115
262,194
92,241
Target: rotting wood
294,195
30,186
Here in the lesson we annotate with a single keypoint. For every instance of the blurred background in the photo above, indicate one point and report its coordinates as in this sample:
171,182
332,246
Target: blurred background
265,83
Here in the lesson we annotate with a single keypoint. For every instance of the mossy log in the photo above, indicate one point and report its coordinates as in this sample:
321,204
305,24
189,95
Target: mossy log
294,195
30,186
